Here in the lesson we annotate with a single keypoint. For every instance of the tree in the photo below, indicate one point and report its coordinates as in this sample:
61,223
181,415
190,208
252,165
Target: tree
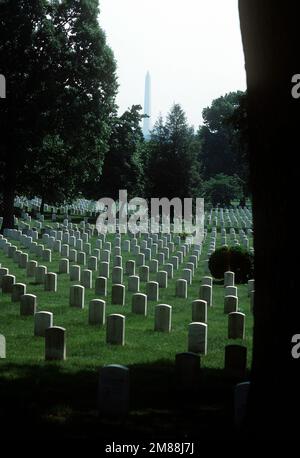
173,168
240,142
61,86
215,117
222,189
223,137
270,39
123,164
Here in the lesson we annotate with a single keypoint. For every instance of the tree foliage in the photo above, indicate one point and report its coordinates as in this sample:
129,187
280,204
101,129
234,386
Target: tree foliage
123,166
222,189
61,87
173,167
224,138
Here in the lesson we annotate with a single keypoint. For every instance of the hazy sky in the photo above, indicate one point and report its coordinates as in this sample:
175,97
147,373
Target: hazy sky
192,49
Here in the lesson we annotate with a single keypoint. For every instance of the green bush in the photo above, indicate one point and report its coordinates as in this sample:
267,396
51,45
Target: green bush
236,259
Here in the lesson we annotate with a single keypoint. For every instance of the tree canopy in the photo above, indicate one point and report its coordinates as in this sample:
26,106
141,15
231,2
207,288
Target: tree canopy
222,190
62,136
223,139
123,166
61,87
173,168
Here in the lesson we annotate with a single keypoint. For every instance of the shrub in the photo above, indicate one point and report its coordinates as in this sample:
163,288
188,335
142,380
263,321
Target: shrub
236,259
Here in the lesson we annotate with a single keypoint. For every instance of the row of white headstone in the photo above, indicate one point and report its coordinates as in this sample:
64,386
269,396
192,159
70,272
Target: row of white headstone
105,255
234,218
55,348
117,271
114,382
197,330
116,402
118,290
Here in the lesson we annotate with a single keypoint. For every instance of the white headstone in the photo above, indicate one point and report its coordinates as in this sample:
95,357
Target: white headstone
230,304
181,288
40,272
133,283
97,312
113,391
162,318
51,282
229,278
152,291
153,266
75,273
115,329
104,269
42,321
7,283
101,286
206,294
64,266
197,338
236,325
87,278
139,304
28,304
2,347
118,294
199,311
117,275
130,267
18,289
144,273
77,296
55,343
162,278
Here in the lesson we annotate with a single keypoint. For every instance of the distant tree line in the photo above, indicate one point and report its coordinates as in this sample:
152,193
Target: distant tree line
177,161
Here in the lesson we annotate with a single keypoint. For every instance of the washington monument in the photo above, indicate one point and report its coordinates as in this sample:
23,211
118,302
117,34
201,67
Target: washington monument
147,107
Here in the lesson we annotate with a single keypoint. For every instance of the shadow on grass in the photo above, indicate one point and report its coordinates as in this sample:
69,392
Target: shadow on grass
48,402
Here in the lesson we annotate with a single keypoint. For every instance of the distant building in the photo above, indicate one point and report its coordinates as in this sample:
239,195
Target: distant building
147,107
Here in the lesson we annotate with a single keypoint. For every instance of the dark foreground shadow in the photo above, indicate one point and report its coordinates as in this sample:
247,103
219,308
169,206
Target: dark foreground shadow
47,402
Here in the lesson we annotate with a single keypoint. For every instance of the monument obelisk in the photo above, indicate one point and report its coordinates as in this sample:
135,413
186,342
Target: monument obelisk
147,107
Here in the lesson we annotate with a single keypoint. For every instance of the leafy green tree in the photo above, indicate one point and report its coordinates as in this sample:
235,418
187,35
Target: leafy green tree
222,189
52,169
61,86
173,168
223,138
123,165
216,116
240,142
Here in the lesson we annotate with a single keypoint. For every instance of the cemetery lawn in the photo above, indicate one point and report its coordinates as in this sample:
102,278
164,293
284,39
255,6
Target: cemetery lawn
60,397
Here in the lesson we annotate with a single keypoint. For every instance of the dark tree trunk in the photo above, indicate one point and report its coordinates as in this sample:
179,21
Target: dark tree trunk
270,33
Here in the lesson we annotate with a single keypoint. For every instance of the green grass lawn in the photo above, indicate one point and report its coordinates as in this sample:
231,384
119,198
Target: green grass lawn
62,395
